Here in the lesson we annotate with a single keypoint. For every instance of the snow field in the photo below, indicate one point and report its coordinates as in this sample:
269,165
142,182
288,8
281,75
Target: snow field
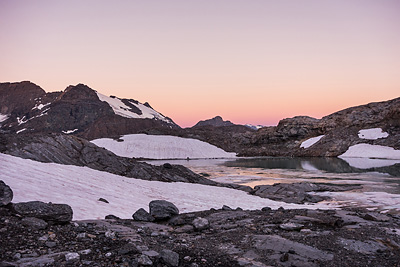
161,147
123,110
81,187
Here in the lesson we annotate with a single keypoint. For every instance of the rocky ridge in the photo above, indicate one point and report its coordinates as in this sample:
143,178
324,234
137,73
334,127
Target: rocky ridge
224,237
78,110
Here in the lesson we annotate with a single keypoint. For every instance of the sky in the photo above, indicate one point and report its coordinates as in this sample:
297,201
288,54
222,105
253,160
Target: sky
252,62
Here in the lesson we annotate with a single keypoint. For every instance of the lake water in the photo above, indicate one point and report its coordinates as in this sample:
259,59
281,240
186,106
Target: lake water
380,178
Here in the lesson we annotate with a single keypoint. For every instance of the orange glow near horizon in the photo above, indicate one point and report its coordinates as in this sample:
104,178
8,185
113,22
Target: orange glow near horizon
250,62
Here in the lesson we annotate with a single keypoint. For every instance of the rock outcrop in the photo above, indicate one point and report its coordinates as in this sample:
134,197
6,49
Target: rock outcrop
6,194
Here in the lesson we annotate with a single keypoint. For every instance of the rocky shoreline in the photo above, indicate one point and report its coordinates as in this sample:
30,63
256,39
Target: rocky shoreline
43,234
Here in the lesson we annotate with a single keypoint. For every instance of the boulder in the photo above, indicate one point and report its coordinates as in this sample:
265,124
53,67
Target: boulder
142,215
6,194
200,224
162,209
170,257
59,213
34,223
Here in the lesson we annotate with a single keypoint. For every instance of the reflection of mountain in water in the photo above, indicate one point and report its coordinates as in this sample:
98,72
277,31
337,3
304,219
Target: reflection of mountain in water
333,165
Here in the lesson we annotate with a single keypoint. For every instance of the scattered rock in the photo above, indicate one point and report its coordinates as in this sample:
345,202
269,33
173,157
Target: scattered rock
144,260
167,166
60,213
103,200
170,257
225,207
6,194
200,224
34,223
162,209
72,256
142,215
112,217
291,226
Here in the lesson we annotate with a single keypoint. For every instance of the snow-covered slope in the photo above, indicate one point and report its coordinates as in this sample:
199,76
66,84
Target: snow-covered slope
161,147
81,187
123,110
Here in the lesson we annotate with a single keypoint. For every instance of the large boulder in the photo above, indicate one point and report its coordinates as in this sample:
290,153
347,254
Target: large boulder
162,209
6,194
142,215
59,213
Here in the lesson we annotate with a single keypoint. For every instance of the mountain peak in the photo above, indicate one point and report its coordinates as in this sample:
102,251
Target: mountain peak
217,121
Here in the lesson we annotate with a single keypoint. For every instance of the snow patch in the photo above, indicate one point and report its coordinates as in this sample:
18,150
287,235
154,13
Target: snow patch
161,147
40,106
3,117
371,151
254,127
49,182
311,141
372,134
20,131
70,131
123,110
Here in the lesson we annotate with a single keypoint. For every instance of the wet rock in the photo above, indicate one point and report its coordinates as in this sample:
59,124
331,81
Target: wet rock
162,209
60,213
142,215
6,194
170,257
34,223
201,224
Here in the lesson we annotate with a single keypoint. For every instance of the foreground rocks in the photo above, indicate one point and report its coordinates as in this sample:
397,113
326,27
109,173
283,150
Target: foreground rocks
209,238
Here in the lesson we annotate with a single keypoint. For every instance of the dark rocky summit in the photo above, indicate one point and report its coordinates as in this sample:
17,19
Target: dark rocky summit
77,110
216,122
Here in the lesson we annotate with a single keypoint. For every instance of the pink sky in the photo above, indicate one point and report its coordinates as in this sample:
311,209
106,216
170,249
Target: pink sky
248,61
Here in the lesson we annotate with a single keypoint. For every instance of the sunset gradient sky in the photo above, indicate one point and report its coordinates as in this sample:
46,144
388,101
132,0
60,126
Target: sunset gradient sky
255,61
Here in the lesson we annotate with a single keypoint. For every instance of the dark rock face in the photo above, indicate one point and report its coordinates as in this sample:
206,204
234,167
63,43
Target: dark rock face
59,213
6,194
216,122
162,209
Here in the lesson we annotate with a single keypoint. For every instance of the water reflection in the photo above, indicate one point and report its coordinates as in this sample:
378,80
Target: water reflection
332,165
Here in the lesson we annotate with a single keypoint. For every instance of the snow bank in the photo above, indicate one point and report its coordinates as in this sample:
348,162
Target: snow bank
123,110
70,131
81,187
3,117
372,134
311,141
371,151
161,147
